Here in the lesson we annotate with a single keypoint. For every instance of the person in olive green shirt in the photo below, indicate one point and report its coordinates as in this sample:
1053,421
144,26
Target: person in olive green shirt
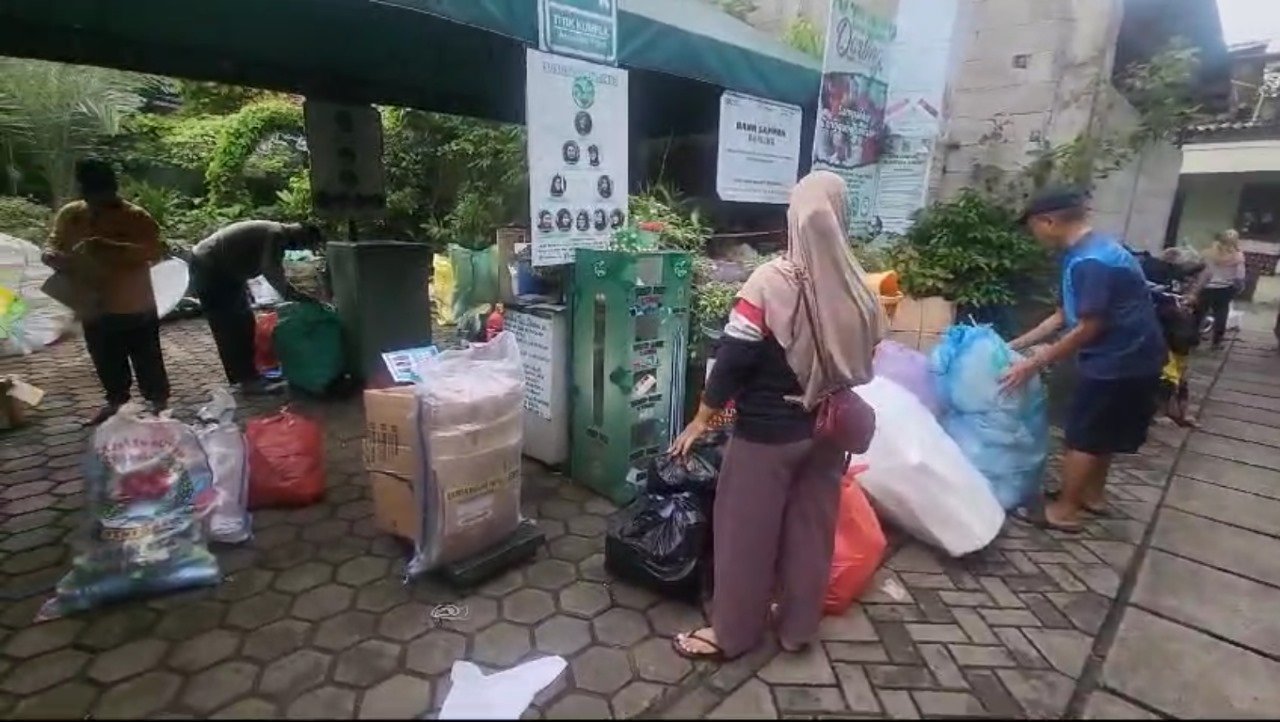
105,246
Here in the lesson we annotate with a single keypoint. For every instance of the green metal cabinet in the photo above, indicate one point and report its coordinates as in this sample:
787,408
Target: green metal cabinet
630,345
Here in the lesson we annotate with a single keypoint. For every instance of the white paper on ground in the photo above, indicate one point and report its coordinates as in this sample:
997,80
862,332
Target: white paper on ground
501,695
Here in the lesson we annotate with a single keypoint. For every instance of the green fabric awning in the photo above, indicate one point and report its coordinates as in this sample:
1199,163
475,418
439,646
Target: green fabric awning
456,56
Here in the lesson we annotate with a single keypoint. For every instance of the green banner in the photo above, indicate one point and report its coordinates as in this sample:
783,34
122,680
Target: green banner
585,29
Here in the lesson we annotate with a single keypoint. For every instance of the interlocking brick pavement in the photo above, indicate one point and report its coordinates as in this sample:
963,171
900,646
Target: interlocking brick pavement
313,620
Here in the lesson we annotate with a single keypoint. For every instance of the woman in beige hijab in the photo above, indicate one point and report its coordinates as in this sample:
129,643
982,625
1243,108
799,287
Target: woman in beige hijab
802,327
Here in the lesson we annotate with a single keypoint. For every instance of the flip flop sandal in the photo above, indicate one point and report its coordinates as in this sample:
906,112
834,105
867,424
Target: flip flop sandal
1105,512
1038,519
714,655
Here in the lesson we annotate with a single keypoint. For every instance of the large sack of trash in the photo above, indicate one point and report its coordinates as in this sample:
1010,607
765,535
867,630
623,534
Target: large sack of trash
286,460
1005,433
660,542
228,520
908,368
147,486
859,547
308,343
470,436
920,480
29,318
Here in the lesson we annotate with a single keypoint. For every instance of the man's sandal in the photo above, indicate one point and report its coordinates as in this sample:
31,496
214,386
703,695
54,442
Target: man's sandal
1103,512
715,654
1039,519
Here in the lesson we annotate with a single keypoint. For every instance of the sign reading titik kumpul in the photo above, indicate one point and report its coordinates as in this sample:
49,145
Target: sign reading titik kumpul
586,29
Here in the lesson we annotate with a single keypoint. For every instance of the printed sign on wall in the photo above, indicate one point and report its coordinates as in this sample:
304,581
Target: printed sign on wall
851,106
582,28
576,114
759,153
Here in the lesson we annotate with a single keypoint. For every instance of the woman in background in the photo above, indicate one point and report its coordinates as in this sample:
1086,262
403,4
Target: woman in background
802,326
1224,270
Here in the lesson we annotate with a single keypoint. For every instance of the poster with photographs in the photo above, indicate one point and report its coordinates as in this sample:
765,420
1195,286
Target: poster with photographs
851,106
576,114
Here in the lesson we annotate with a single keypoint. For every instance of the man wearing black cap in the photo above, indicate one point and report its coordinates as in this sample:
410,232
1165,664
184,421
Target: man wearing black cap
1112,330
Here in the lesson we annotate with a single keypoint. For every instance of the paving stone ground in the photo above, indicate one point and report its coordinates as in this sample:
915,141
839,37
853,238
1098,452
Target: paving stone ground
313,620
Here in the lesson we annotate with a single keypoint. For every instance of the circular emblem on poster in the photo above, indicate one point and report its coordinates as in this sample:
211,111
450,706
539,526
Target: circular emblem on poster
584,91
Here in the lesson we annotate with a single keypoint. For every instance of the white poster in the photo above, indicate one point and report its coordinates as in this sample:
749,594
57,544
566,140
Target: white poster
576,114
851,106
759,154
921,58
533,335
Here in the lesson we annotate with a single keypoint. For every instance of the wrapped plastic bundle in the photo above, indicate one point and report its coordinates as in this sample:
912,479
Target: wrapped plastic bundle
148,484
1005,434
470,437
228,521
909,369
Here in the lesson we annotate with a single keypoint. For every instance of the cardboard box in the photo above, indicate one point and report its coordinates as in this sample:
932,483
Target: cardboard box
391,461
15,396
920,322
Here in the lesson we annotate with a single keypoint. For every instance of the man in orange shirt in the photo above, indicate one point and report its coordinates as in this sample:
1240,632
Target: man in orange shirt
106,246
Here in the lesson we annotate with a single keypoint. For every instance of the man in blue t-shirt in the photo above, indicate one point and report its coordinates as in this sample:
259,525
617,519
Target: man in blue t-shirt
1112,329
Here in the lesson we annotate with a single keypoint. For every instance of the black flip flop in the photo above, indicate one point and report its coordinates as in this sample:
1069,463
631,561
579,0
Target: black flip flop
1103,513
715,655
1038,519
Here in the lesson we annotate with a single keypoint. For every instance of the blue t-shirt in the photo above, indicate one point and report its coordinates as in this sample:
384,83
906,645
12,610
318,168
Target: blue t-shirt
1102,279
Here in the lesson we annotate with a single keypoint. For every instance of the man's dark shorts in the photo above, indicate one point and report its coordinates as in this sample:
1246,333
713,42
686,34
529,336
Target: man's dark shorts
1111,416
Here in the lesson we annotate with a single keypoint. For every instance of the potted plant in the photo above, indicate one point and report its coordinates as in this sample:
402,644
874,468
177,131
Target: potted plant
962,258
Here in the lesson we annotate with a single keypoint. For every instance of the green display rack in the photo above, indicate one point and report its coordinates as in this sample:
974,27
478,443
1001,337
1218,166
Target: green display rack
630,345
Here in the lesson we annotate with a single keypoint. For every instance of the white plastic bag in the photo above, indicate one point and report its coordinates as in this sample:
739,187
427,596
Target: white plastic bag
43,319
470,424
501,695
918,478
228,521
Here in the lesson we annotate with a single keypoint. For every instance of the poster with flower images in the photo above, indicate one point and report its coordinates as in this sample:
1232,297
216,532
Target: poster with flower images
851,106
577,121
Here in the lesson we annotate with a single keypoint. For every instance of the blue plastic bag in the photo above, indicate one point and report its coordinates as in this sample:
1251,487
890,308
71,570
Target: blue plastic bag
1004,434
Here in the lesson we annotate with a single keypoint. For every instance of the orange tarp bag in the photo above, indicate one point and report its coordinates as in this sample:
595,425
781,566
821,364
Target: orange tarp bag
859,547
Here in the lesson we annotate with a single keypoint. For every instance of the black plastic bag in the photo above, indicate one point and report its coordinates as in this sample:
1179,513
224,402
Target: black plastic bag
660,541
670,474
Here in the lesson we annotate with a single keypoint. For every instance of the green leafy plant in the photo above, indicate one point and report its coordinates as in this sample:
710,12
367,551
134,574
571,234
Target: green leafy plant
452,179
52,114
968,249
161,202
25,219
240,138
804,36
682,226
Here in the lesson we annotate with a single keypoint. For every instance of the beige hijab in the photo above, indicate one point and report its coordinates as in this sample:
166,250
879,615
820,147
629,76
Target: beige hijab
831,344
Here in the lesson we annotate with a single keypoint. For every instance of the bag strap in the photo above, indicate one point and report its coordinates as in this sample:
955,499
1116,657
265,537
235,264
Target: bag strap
825,362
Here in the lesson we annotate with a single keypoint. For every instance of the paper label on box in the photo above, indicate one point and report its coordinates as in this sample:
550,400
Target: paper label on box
403,365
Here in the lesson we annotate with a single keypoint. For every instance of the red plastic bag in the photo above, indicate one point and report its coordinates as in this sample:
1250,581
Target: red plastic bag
264,349
286,460
859,549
